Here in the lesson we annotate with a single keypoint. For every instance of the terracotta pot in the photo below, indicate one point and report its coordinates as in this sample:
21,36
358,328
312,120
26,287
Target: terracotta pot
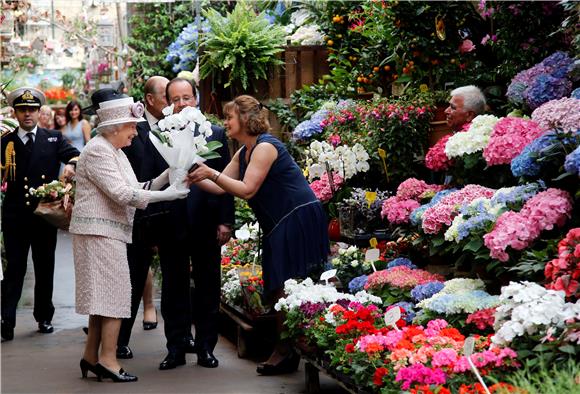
439,129
334,230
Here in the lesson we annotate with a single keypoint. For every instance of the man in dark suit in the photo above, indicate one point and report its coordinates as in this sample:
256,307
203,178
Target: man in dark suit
210,223
31,156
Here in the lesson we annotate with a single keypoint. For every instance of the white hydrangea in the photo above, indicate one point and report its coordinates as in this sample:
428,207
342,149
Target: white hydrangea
528,308
306,291
473,140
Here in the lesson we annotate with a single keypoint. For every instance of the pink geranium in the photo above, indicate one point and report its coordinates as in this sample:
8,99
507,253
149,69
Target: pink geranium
442,213
509,137
519,229
418,373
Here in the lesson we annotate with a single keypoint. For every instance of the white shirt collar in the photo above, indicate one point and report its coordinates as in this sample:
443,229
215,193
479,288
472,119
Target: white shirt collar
22,133
152,120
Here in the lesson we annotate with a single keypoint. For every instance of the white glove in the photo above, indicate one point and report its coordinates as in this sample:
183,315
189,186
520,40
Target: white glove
169,194
160,181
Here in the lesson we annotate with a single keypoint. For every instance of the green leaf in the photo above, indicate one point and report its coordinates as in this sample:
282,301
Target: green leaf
474,245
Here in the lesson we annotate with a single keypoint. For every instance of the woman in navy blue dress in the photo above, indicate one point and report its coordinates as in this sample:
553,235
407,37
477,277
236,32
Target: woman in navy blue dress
293,222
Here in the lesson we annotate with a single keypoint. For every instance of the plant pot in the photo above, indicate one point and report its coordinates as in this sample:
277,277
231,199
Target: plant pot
439,129
334,230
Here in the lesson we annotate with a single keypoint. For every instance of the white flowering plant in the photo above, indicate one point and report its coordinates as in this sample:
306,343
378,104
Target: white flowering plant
350,263
538,322
182,141
343,160
475,139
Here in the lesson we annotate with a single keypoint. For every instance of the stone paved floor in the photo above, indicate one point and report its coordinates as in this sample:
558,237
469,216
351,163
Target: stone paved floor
49,363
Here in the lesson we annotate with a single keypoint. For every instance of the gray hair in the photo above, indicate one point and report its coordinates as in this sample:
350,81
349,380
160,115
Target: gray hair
108,129
473,98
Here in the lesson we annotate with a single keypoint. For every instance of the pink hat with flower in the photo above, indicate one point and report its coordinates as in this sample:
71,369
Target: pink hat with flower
119,111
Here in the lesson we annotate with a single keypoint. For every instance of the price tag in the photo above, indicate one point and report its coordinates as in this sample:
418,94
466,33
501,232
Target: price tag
392,316
326,275
371,197
382,153
468,347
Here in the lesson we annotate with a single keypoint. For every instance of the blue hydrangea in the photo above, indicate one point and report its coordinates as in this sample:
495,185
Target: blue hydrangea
409,308
572,163
306,129
575,93
357,284
401,261
557,63
416,216
515,92
466,302
528,162
517,194
426,290
479,221
546,88
182,52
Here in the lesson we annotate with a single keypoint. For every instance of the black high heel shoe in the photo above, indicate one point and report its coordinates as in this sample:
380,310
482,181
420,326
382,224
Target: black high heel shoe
150,325
117,377
86,367
287,365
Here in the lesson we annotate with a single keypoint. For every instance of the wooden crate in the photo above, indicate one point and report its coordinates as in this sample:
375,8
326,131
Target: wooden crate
303,65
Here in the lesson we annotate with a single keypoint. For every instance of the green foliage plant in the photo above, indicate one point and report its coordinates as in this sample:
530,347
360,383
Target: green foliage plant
548,379
153,27
241,46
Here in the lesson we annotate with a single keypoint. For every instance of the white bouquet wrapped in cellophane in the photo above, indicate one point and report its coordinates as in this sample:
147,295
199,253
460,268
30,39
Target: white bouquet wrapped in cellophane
182,141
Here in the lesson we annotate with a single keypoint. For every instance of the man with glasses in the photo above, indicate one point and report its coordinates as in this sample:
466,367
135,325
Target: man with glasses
210,219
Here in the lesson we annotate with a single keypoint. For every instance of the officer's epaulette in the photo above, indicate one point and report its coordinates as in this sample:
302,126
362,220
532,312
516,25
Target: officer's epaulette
6,132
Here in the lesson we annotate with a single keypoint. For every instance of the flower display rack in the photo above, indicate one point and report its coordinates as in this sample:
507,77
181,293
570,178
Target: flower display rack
252,333
312,369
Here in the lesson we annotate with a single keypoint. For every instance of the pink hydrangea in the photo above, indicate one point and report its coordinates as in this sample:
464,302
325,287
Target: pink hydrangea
412,188
401,277
442,213
563,113
519,229
509,137
397,210
436,159
321,187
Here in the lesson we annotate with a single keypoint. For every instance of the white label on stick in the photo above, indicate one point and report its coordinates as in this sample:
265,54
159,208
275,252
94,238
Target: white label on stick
468,346
326,275
392,316
372,254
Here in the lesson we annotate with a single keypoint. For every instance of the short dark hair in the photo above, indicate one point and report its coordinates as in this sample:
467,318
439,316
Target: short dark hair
69,107
175,80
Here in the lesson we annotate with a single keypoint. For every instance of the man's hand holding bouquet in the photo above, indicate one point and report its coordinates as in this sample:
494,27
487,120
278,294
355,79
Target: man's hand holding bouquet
182,141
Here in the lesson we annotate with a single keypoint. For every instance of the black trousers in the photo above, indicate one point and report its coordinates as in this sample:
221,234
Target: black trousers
21,234
205,296
174,260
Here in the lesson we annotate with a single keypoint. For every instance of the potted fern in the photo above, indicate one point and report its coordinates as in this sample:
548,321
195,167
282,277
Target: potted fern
240,47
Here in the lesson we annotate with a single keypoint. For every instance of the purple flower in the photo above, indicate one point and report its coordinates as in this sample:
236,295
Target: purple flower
310,309
572,163
547,88
401,261
427,290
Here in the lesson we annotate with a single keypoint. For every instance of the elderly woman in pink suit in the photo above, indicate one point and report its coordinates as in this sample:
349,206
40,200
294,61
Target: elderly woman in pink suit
107,194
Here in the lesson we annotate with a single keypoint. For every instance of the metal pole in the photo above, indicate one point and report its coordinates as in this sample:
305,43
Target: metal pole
52,17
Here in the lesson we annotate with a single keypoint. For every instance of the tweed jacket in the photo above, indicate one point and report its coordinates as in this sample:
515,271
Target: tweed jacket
107,192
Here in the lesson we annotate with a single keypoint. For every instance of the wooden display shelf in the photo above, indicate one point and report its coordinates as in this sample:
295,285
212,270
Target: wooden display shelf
253,333
312,369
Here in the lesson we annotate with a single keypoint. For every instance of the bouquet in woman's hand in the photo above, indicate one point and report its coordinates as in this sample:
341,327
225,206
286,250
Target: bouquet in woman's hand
183,141
56,201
